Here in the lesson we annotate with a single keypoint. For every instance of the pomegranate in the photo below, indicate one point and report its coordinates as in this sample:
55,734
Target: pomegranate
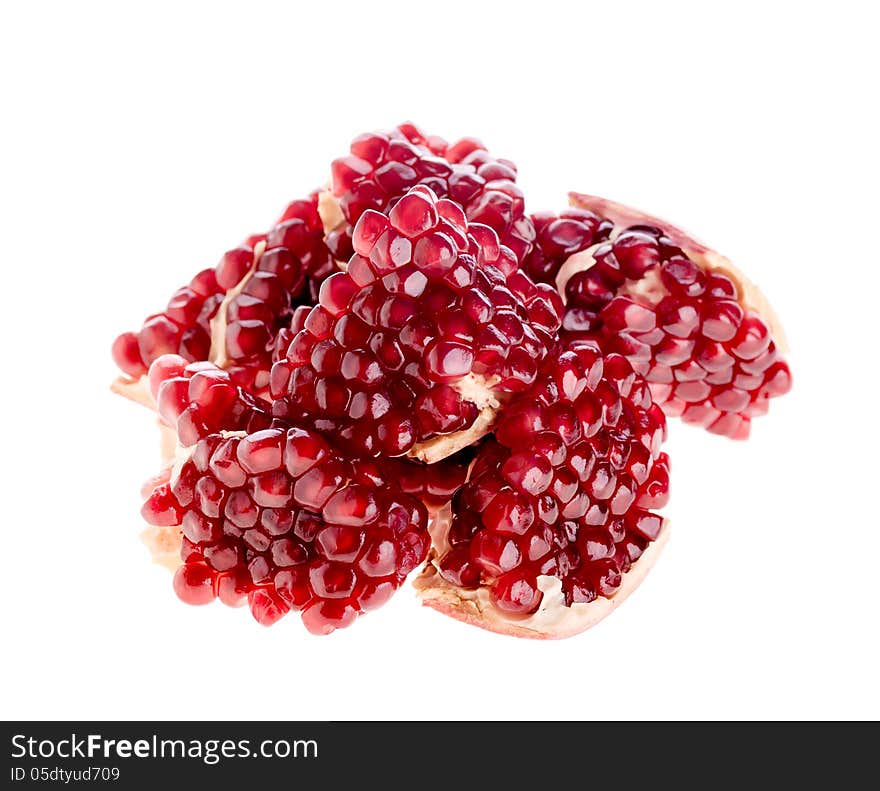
414,348
410,371
230,315
703,336
382,166
556,520
199,400
279,519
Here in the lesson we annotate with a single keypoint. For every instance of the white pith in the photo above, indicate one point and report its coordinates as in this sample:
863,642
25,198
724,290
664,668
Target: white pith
553,620
220,320
702,255
329,211
479,391
138,390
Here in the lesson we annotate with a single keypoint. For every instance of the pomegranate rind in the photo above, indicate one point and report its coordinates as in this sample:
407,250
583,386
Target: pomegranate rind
329,211
478,391
552,621
164,545
701,254
136,390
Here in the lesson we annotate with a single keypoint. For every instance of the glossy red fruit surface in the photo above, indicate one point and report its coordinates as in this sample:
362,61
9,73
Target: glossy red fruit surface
278,518
382,166
567,489
683,318
431,324
231,314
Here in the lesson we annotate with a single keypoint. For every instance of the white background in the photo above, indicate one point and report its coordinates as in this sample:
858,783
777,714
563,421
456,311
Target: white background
140,141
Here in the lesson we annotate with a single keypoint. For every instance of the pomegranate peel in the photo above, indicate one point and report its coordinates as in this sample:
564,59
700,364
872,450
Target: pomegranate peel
702,335
624,216
552,621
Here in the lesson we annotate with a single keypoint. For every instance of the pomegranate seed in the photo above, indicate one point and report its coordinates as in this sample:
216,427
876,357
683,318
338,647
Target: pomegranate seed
194,583
516,593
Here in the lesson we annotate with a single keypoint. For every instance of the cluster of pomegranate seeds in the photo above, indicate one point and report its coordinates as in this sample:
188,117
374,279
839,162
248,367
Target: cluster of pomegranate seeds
198,399
410,370
565,489
431,322
382,166
183,328
232,314
273,518
707,358
560,236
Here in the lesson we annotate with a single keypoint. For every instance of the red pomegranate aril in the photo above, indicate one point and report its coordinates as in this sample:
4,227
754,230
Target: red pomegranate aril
683,277
194,583
266,606
528,472
324,616
703,415
233,267
516,594
331,580
162,509
751,339
625,314
674,351
353,506
721,319
232,589
159,335
127,355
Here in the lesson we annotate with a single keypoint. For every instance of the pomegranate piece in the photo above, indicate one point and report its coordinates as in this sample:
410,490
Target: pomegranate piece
278,519
198,399
383,166
414,348
704,338
183,328
231,315
558,237
556,523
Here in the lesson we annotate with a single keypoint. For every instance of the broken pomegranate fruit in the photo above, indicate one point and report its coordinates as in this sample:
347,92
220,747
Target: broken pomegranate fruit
278,518
230,315
701,334
560,236
198,399
413,349
382,166
558,509
409,370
